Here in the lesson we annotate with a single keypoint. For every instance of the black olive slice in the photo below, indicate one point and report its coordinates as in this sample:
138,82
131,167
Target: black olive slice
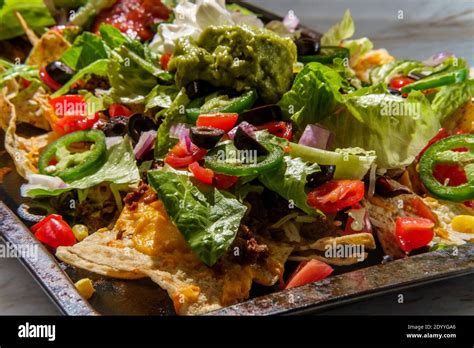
206,137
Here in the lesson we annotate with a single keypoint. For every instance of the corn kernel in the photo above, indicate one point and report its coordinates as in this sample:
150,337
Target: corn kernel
85,288
80,232
463,223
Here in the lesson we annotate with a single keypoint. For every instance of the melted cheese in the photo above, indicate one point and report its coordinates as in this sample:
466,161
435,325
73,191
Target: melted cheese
152,232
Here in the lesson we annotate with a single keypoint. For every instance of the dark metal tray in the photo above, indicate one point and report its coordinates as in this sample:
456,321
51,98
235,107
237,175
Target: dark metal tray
143,297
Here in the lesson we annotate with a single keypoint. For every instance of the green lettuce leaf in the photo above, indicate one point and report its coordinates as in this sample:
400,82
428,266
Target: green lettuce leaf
351,163
340,31
87,12
289,181
161,97
12,71
450,98
315,93
176,113
207,218
120,168
35,13
358,47
87,48
395,128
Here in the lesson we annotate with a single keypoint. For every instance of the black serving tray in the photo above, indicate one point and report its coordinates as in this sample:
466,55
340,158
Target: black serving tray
143,297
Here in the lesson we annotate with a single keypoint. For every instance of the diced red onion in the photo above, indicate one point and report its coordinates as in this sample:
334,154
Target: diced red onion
290,21
372,180
144,144
246,127
179,131
316,136
111,141
437,58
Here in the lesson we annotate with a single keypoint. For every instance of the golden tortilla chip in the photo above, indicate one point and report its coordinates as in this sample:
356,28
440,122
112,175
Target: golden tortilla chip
50,47
32,107
144,242
24,151
354,242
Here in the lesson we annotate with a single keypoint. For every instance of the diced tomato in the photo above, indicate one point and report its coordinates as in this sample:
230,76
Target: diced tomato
69,105
54,231
400,82
280,129
72,110
222,181
469,204
442,133
336,195
180,157
164,60
450,174
366,227
308,272
413,232
133,17
69,124
25,83
422,210
116,110
48,80
218,120
202,174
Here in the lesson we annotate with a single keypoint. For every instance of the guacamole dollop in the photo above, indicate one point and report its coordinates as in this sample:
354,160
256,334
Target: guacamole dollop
239,57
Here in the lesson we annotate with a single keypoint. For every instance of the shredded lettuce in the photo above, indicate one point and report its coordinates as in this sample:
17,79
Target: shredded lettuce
358,47
395,128
340,31
35,13
351,163
315,92
87,48
176,113
289,181
161,97
207,217
12,71
120,168
450,98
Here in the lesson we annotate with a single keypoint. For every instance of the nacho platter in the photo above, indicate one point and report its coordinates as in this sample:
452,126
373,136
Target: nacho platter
143,297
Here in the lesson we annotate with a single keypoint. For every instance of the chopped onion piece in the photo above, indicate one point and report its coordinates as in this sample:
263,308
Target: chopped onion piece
372,180
438,58
144,144
111,141
290,21
179,131
316,136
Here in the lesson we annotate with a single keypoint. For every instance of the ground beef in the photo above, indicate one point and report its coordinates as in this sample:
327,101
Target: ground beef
132,198
95,82
246,249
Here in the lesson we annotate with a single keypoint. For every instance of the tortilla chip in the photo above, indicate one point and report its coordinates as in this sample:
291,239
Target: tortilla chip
317,249
144,242
32,107
50,47
24,151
